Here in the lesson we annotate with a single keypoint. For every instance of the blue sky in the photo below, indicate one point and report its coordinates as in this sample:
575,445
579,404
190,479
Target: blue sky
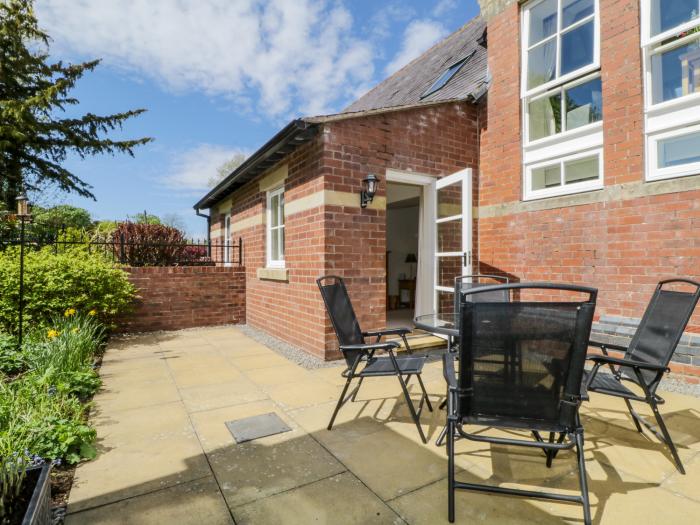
220,77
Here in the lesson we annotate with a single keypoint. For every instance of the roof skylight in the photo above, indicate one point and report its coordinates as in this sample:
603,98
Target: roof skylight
446,76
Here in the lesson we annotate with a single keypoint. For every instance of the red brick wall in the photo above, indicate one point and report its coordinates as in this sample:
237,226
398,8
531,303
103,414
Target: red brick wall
173,298
291,310
344,240
438,141
623,246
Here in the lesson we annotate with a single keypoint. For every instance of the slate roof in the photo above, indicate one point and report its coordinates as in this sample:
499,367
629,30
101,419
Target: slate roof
405,87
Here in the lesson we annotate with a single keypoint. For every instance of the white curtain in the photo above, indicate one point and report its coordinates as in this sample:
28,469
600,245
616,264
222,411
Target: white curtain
425,272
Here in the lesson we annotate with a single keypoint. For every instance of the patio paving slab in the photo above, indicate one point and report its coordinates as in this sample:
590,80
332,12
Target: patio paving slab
125,395
166,456
206,397
253,470
192,503
131,464
340,499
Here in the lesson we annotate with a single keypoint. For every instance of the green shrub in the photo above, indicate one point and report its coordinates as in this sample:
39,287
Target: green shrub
55,282
11,360
43,421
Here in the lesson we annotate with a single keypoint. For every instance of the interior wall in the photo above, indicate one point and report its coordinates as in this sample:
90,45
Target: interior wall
401,239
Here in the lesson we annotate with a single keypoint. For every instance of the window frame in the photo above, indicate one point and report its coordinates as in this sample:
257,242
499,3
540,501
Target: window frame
525,47
670,118
563,189
270,262
567,145
562,135
647,39
655,173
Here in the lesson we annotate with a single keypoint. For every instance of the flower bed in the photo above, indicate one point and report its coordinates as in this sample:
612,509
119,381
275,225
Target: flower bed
46,385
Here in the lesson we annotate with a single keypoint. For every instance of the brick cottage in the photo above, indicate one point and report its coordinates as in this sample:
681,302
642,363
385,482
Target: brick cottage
550,140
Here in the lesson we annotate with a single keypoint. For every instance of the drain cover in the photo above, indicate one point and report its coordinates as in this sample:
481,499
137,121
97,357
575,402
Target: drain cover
250,428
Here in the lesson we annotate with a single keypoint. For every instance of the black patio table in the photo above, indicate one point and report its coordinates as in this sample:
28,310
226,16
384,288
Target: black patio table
443,324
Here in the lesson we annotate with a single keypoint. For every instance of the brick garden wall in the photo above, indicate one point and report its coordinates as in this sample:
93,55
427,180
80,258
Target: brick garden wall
173,298
624,242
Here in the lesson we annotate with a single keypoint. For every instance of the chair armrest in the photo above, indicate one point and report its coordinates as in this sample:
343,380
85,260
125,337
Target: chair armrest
606,359
387,331
389,345
448,370
608,346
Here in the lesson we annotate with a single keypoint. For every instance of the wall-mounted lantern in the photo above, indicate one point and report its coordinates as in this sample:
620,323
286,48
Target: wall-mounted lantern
369,188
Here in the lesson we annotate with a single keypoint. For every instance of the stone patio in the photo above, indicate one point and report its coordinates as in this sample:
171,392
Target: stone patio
166,456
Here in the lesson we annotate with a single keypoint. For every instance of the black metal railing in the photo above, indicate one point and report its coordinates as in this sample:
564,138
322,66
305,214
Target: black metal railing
130,252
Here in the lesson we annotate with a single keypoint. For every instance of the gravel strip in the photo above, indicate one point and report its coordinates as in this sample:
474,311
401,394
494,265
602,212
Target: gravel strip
296,355
674,383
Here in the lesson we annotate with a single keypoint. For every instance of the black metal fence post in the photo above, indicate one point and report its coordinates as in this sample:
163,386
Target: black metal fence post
21,281
240,251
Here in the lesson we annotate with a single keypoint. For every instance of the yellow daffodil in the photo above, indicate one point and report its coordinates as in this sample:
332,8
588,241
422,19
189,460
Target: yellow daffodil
52,333
75,330
92,313
70,312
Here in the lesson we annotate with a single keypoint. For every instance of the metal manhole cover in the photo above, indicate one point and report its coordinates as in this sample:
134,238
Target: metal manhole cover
250,428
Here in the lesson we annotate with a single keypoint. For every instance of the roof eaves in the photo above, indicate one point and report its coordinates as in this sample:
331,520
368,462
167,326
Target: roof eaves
294,134
322,119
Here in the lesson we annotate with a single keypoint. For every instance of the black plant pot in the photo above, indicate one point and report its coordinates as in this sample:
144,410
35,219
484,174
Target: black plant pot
39,508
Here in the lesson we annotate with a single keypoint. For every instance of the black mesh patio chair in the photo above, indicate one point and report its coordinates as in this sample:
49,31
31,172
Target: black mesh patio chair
520,367
465,285
359,354
647,356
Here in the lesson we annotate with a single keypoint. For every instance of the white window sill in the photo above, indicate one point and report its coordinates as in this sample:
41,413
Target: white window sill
559,138
273,274
562,192
690,172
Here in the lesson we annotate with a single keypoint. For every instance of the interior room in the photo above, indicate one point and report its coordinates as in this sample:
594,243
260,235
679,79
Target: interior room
402,230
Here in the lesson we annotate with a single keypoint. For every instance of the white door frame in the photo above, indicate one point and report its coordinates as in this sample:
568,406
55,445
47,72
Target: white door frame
425,300
465,178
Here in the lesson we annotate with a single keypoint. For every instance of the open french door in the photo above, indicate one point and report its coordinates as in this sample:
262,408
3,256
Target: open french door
453,235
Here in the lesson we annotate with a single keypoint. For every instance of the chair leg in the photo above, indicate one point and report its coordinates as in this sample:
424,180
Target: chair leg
634,415
441,438
667,438
357,389
405,342
550,455
450,471
412,409
425,393
340,402
582,477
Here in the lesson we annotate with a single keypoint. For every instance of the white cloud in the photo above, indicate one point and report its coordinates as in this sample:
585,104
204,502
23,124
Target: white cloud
417,38
191,170
295,54
382,20
443,7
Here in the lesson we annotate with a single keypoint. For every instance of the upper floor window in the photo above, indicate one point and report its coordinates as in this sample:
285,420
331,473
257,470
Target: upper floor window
562,98
667,16
275,228
671,48
560,41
